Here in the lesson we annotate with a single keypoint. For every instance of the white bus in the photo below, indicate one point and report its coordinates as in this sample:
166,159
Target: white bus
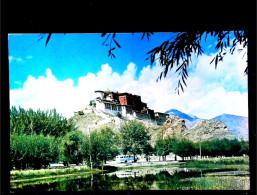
126,158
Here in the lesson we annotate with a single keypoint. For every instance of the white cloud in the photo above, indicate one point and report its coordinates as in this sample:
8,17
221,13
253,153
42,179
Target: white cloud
209,93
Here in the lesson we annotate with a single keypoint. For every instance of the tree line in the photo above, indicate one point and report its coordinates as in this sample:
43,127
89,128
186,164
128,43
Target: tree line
42,137
210,148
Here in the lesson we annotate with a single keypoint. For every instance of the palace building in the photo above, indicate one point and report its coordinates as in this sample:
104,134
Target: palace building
127,105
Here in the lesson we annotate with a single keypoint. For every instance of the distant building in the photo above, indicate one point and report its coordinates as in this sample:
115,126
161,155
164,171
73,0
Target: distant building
127,105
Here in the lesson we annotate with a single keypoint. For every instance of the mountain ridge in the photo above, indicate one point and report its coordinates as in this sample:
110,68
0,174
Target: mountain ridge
238,125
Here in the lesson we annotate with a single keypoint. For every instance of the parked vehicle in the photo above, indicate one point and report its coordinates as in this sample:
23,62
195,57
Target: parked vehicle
126,158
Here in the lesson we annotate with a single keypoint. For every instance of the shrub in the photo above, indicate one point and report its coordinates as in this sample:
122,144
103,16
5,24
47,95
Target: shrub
80,112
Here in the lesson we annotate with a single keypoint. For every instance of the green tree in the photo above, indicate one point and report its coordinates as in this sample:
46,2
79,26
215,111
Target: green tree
45,122
244,147
148,150
32,151
104,146
163,147
235,147
208,148
183,148
71,148
134,138
225,147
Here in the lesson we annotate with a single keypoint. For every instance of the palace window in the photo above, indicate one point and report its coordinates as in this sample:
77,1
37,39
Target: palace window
107,106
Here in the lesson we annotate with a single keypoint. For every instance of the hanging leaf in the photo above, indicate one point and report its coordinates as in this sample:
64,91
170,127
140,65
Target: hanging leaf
48,38
143,36
161,76
106,39
216,61
184,81
117,43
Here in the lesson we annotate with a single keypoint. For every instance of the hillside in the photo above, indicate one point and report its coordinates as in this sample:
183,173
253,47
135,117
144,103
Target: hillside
238,125
208,130
174,126
190,120
93,119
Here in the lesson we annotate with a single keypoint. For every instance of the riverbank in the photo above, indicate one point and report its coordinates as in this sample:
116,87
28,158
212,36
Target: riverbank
230,173
189,163
18,175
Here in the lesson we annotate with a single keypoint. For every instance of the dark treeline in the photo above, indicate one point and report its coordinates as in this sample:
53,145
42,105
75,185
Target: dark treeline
212,148
42,137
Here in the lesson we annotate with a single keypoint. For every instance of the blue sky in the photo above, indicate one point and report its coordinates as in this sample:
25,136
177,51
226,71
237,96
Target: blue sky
70,55
78,62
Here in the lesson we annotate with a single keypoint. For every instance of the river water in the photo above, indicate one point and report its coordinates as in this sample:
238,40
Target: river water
148,178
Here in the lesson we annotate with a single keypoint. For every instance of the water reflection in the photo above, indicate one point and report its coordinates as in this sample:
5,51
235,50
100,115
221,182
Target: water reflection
142,179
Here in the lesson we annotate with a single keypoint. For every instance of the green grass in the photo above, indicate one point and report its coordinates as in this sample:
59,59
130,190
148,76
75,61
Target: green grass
28,174
46,180
217,162
219,183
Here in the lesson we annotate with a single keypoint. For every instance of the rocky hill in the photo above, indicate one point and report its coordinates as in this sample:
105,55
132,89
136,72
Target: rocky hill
207,130
238,125
190,120
174,126
92,119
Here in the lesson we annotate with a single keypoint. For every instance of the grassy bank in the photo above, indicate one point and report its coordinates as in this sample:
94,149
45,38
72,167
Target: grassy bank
207,163
29,174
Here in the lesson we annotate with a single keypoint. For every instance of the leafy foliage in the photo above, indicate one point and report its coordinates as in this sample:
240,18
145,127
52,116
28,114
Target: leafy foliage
110,39
45,122
71,150
177,51
32,151
104,146
164,146
224,147
184,148
134,137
